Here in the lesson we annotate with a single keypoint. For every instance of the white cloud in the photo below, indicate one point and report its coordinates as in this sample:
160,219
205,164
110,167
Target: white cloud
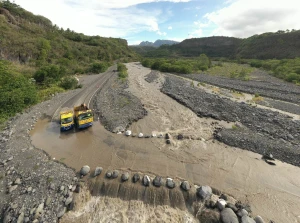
161,33
170,27
108,18
196,33
243,18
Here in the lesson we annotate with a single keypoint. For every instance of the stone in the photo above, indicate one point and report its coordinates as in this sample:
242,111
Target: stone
52,186
26,219
10,158
223,196
48,201
170,183
61,212
204,192
259,219
12,188
140,135
228,216
125,176
242,212
77,189
108,174
21,218
62,188
160,135
247,219
167,136
85,170
153,135
168,141
98,171
39,210
17,181
128,133
146,181
115,174
68,201
135,178
232,206
221,203
157,181
185,185
180,137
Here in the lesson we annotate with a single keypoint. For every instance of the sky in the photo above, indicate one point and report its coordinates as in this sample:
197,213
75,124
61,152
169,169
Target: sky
149,20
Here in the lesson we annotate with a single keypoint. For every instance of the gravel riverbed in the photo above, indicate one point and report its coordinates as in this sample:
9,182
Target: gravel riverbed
261,83
257,129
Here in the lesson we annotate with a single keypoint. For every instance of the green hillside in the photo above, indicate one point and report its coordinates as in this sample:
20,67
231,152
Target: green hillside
33,50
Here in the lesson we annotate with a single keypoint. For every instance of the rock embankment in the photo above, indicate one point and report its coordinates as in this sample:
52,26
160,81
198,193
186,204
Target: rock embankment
257,129
117,108
265,85
33,187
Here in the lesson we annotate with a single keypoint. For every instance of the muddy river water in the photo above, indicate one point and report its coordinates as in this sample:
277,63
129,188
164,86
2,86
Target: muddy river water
272,191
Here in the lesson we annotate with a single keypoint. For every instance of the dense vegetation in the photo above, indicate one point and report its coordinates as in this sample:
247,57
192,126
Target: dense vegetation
51,55
279,45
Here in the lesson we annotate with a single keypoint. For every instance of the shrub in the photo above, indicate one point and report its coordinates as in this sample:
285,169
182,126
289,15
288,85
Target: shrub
122,69
49,74
98,67
69,83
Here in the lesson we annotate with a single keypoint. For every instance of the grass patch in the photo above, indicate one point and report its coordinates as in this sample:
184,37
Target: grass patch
234,127
257,99
231,70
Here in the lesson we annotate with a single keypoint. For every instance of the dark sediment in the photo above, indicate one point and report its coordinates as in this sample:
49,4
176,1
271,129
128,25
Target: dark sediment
117,108
263,84
262,130
152,76
281,105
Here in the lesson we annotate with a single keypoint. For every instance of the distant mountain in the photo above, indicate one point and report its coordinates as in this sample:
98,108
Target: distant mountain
158,43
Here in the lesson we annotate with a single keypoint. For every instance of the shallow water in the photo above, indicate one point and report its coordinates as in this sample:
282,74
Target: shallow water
272,191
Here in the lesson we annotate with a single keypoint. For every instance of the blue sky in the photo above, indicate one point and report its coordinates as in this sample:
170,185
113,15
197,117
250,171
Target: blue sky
149,20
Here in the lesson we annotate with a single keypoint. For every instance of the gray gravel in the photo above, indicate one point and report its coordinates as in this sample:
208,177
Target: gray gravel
30,181
261,130
117,108
263,84
152,76
281,105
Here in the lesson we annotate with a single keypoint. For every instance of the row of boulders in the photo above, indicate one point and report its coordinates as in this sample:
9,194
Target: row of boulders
228,211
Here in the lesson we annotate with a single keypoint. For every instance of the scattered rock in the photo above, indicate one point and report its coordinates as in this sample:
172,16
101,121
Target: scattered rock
128,133
232,206
115,174
146,181
153,135
259,219
168,141
29,189
10,158
242,212
12,188
21,218
140,135
223,196
61,212
180,137
98,171
39,211
185,185
221,204
170,183
17,181
77,189
204,192
108,174
228,216
125,176
85,170
157,181
48,201
68,201
135,178
167,136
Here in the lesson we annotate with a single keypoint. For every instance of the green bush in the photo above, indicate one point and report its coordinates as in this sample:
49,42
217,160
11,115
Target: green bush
49,74
98,67
293,77
69,83
122,69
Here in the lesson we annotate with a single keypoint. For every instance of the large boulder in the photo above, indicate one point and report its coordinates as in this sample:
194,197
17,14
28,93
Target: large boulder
232,206
98,171
242,212
157,181
228,216
135,178
170,183
221,203
85,170
259,219
115,174
247,219
125,176
141,135
204,192
128,133
185,185
108,174
146,181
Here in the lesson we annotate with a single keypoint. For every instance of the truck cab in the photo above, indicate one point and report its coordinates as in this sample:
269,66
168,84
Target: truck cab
83,117
66,120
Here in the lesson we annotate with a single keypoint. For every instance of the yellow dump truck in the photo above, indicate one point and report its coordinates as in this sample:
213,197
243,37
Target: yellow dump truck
83,116
66,119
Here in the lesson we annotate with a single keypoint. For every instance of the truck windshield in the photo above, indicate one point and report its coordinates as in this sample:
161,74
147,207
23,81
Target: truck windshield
85,116
66,120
